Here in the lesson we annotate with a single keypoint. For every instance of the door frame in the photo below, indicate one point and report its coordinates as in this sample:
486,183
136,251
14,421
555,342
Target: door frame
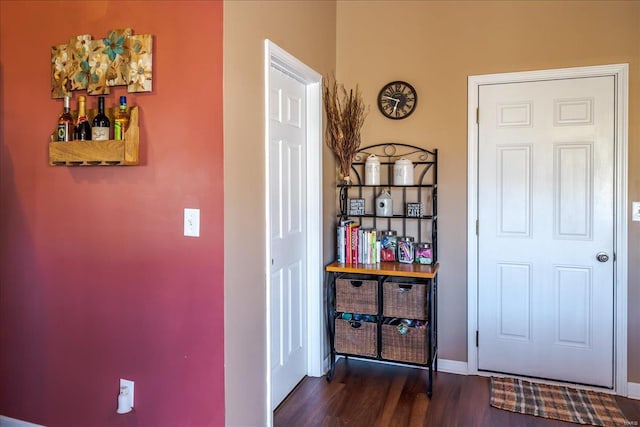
276,57
620,73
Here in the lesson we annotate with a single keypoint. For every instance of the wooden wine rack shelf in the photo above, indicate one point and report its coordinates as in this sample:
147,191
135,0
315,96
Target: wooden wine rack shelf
99,153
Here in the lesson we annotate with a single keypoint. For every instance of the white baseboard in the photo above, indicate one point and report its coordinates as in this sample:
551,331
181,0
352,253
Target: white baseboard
326,364
12,422
633,390
452,367
444,365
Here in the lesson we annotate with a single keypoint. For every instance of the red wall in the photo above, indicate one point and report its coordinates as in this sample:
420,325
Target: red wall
97,281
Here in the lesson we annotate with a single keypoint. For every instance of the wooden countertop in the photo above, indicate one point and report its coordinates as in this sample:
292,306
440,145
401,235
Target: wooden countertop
387,269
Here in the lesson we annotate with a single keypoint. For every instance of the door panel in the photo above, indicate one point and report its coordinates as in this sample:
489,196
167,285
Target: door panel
288,233
573,193
573,292
514,315
545,176
514,190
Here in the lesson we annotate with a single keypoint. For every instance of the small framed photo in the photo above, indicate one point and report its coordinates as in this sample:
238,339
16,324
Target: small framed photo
356,206
414,210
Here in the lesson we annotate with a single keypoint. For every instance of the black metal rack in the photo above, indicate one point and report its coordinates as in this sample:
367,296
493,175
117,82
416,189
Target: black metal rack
424,191
419,275
423,228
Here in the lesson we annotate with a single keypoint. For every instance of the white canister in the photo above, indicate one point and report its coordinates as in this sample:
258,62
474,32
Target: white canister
403,172
384,204
372,170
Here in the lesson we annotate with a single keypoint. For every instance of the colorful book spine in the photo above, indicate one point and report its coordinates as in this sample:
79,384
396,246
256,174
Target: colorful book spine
343,241
362,252
372,247
347,249
340,244
354,243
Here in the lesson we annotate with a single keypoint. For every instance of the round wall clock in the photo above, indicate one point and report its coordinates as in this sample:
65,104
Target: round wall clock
397,100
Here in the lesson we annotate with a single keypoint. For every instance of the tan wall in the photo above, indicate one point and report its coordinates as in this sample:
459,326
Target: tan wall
435,46
307,31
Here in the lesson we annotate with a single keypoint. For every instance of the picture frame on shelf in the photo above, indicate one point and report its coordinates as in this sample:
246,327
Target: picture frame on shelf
415,210
356,207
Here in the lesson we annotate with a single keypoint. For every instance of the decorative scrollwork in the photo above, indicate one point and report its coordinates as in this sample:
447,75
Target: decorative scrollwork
389,152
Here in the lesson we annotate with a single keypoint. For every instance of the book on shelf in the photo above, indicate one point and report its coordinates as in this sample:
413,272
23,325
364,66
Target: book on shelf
343,243
353,247
356,245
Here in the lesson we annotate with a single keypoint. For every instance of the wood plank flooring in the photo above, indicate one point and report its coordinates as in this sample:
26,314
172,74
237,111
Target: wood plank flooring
369,394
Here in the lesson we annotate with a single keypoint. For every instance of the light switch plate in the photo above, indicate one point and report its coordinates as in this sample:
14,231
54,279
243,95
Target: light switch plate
192,222
635,211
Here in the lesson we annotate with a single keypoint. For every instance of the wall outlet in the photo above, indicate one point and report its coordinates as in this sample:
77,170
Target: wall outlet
192,222
125,398
635,211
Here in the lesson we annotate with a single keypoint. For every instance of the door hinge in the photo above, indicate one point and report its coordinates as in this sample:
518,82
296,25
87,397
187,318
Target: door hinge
477,227
477,338
478,115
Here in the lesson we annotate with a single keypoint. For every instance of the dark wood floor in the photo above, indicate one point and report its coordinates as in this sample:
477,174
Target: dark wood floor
371,394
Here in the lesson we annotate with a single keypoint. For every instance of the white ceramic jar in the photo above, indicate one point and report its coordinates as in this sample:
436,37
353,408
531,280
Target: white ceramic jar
403,172
372,170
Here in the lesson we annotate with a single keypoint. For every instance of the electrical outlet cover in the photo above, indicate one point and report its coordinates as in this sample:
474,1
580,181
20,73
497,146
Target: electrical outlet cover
635,211
130,389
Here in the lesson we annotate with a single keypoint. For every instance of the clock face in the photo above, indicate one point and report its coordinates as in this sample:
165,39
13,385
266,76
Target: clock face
397,100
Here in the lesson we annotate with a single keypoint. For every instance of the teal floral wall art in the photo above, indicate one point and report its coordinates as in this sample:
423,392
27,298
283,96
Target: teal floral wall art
95,65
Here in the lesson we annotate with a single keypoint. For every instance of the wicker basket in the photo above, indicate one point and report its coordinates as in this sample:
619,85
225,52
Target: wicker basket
404,300
353,337
357,295
410,347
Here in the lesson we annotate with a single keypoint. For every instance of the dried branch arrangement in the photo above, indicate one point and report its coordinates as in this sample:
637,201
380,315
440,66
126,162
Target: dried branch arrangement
345,116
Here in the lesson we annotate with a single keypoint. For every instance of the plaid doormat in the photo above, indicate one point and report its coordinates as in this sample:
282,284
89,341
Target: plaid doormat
557,402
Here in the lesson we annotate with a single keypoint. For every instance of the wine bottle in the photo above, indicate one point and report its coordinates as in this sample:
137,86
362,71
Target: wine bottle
65,123
121,121
83,128
101,123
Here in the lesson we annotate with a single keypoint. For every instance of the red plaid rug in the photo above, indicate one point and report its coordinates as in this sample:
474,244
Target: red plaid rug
557,402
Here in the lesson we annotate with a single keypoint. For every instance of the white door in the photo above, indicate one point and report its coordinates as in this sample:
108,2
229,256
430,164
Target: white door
287,181
545,211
